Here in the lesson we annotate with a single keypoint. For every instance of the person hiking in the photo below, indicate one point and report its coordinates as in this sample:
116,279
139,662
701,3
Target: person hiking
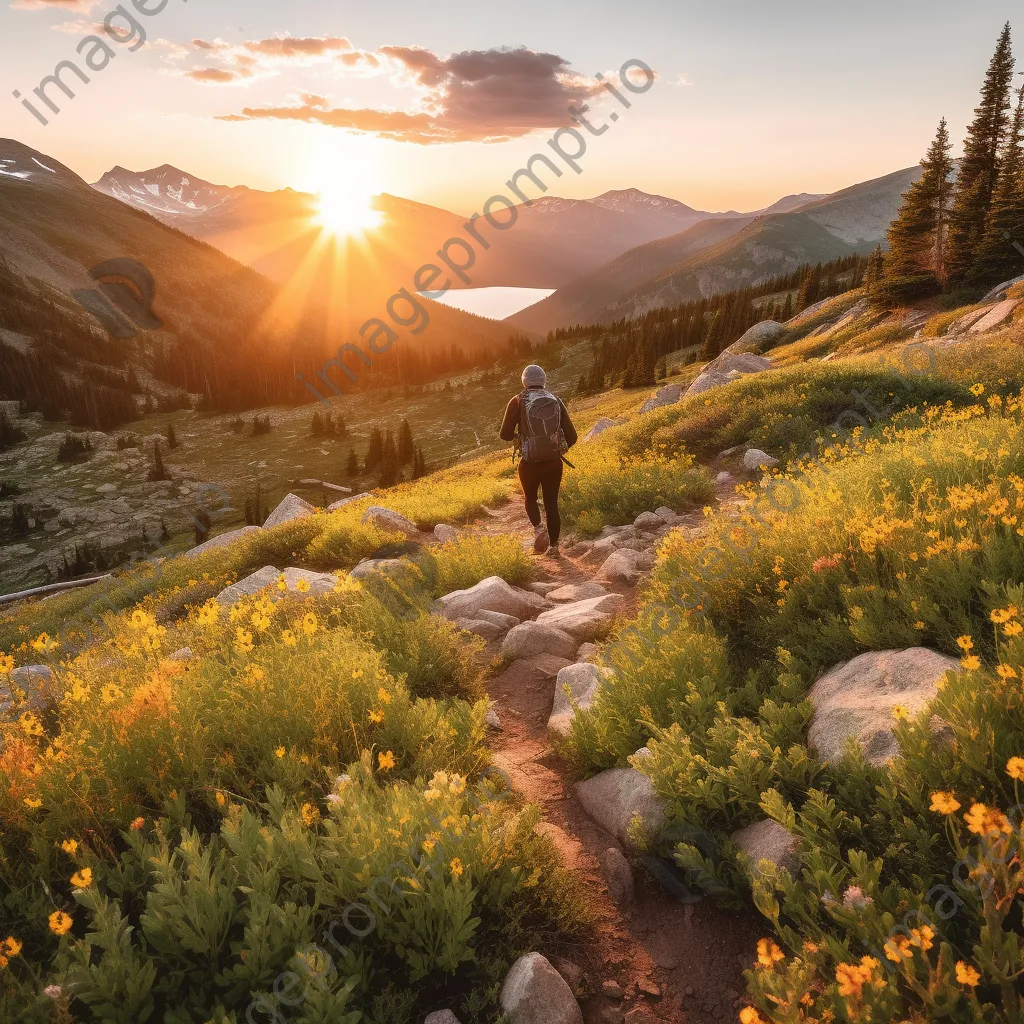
545,432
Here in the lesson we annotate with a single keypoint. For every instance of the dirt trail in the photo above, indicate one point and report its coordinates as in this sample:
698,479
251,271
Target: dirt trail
672,962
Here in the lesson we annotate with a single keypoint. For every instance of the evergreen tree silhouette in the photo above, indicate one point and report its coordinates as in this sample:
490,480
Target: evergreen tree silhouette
406,446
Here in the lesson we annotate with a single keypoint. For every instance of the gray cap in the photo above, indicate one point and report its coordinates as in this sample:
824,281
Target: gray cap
534,377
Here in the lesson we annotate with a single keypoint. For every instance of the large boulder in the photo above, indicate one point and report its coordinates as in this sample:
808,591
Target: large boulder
252,584
481,627
768,841
962,324
370,566
585,620
492,594
441,1017
347,501
620,799
758,338
576,686
292,507
29,688
532,638
392,522
306,583
995,317
667,395
999,292
617,875
445,533
535,993
625,565
569,592
222,541
649,522
754,459
855,700
603,424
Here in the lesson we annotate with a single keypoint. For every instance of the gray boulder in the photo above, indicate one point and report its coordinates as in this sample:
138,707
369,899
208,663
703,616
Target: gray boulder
576,686
617,875
576,592
492,594
31,687
222,541
855,700
999,292
585,620
623,566
620,797
665,514
758,338
393,522
252,584
531,638
535,993
292,507
588,652
347,501
498,618
995,317
767,841
648,521
603,424
724,478
445,533
481,627
667,395
754,459
314,584
306,583
544,588
369,566
181,654
441,1017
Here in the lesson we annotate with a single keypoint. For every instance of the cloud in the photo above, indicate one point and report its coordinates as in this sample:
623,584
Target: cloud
472,96
79,28
260,58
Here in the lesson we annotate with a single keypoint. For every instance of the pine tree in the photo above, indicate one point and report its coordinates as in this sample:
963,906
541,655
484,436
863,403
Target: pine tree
979,169
914,265
341,428
997,258
352,466
419,464
712,338
172,437
158,472
374,450
872,271
406,447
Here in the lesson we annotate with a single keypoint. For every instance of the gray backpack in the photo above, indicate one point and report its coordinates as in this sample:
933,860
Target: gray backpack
540,426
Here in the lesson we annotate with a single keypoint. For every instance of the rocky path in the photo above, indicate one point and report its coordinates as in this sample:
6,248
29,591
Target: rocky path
649,957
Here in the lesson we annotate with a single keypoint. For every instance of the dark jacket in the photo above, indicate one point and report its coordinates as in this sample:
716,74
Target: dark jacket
510,424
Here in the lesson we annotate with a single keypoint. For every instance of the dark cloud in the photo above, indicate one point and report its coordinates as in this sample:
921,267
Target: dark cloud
473,96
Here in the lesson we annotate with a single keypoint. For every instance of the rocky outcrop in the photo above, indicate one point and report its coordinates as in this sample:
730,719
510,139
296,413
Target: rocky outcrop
576,687
370,566
390,521
619,800
625,565
481,627
570,592
754,460
223,541
767,841
29,688
995,317
492,594
535,993
729,366
585,620
531,638
347,501
603,424
758,338
292,507
855,700
252,584
298,582
999,292
445,533
667,395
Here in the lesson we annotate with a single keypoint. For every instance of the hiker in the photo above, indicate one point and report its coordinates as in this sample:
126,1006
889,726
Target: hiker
545,433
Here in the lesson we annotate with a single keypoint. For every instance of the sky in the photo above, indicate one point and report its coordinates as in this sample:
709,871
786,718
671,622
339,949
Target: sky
442,102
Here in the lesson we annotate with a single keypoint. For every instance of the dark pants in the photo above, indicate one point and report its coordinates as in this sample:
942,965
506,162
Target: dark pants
547,476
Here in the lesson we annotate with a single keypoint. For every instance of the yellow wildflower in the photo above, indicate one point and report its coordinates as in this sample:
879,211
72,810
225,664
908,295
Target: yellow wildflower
33,803
60,923
288,638
82,879
1015,768
310,814
70,846
965,643
309,624
456,867
386,761
971,663
944,803
967,975
279,752
376,716
768,954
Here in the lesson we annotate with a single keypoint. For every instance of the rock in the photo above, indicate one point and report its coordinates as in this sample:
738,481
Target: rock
588,653
252,584
612,989
582,682
31,687
181,654
617,797
369,566
492,594
603,424
347,501
724,478
572,974
506,622
493,721
648,988
999,292
530,673
313,584
855,700
665,514
445,533
667,395
648,521
576,592
581,549
996,316
292,507
544,588
617,875
481,627
441,1017
755,459
622,566
223,540
392,522
640,1015
767,841
962,324
532,638
758,338
585,620
106,489
535,993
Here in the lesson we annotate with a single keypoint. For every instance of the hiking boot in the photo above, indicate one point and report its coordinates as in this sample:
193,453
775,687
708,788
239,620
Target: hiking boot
541,541
553,552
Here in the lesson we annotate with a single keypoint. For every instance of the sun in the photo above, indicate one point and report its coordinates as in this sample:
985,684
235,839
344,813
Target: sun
346,211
